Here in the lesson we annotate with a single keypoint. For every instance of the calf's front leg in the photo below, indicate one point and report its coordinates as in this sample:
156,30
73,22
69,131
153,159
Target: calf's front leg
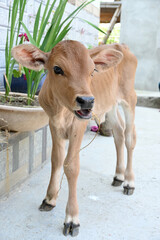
57,159
71,169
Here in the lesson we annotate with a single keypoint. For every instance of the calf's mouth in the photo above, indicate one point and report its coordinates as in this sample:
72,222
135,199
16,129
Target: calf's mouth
84,113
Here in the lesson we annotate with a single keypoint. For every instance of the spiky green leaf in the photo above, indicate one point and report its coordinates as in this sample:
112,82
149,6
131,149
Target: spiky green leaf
36,23
44,22
29,35
93,25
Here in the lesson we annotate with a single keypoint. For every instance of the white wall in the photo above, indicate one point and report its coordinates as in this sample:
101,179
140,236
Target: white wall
140,30
80,31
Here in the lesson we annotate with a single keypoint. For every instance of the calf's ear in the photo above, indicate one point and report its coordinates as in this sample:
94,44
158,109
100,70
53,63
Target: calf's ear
106,58
30,56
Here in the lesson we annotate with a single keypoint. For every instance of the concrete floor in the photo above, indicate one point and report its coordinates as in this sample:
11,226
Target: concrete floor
105,213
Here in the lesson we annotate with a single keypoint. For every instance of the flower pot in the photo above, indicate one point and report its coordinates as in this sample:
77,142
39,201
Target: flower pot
20,84
21,119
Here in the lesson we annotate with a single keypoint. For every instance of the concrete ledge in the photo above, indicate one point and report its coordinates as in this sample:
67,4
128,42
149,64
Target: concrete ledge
20,155
148,99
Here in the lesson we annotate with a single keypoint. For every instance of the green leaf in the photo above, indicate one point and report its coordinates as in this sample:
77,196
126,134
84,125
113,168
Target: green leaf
9,15
36,23
29,81
93,25
16,73
45,12
42,47
55,24
21,14
44,23
61,36
36,82
75,13
11,71
6,55
16,12
29,35
13,22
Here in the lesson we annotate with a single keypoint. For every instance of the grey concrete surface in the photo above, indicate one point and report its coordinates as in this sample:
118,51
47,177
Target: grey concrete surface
105,213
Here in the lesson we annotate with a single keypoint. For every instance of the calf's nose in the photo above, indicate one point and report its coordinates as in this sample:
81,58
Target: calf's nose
85,102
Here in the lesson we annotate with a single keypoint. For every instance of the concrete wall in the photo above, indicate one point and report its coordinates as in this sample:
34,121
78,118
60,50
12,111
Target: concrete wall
140,30
80,31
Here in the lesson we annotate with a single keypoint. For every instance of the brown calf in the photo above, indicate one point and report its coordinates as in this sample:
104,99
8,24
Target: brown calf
71,91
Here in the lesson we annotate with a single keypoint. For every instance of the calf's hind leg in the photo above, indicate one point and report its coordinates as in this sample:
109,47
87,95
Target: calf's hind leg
57,159
130,141
118,134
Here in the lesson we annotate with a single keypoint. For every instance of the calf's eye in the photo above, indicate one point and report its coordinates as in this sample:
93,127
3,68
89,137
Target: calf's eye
58,70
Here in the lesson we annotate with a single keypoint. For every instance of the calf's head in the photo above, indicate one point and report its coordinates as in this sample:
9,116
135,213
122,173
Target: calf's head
70,71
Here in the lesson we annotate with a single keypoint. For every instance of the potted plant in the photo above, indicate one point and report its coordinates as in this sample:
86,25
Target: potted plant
45,36
12,117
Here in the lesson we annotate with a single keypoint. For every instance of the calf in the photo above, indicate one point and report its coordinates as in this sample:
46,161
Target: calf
70,92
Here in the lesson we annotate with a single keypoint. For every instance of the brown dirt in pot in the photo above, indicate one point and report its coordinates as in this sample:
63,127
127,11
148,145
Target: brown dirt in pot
18,101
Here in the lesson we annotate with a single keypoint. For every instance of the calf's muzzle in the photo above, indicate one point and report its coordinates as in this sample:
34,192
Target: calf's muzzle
86,105
85,102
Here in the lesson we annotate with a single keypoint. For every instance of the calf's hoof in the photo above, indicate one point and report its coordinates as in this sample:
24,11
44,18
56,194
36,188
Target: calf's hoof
45,206
127,190
116,182
71,229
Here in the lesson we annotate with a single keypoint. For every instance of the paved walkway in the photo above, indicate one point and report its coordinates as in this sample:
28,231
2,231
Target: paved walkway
105,213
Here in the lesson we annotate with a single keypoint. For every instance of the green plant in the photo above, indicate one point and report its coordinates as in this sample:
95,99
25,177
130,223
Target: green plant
45,39
15,18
